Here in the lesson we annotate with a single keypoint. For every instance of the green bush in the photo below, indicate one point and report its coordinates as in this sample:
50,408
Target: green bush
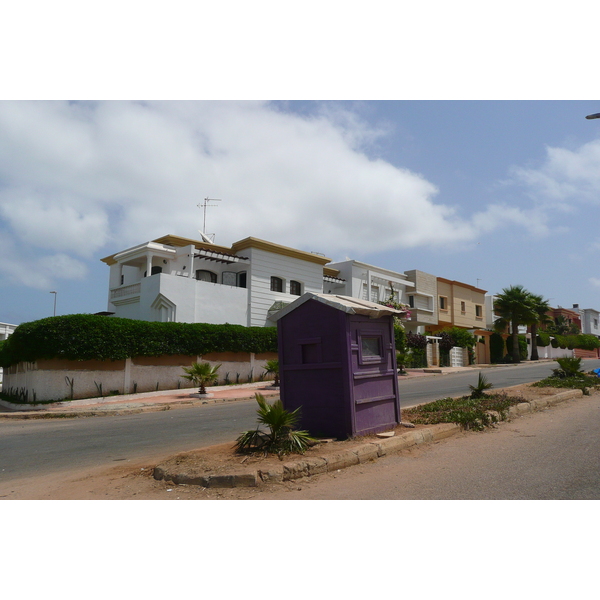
497,348
543,339
94,337
399,336
468,412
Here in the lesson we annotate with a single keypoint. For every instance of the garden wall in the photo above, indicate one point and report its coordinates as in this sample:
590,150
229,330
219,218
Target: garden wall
58,379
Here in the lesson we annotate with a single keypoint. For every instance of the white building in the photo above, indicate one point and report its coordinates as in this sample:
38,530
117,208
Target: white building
360,280
178,279
5,330
590,320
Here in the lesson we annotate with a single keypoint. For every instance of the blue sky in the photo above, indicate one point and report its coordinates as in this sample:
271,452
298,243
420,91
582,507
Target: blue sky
491,193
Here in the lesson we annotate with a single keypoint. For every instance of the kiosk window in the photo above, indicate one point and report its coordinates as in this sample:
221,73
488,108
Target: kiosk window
371,347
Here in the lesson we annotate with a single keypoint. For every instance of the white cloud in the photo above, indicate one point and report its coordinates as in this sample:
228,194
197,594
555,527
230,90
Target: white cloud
76,177
28,269
566,177
594,281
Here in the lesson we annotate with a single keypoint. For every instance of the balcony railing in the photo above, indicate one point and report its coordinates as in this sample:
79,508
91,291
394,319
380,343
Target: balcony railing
126,290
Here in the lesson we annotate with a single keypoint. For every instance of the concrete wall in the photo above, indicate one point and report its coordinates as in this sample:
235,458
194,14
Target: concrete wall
51,379
265,265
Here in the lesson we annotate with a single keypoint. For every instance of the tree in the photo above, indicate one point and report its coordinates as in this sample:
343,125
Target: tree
540,309
202,374
282,437
561,326
272,367
513,307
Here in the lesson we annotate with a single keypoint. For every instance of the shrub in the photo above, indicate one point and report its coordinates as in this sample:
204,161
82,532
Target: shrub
478,390
282,438
202,374
497,348
469,413
272,367
416,341
94,337
399,336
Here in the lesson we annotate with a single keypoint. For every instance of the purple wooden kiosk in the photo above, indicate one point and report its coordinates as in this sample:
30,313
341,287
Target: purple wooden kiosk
337,361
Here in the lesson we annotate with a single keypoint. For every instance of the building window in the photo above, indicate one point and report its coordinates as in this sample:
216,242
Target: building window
156,270
463,307
411,301
229,278
241,279
295,288
479,311
443,303
276,284
203,275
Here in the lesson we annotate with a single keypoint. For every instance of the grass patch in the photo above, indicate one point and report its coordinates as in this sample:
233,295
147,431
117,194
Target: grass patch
468,412
575,382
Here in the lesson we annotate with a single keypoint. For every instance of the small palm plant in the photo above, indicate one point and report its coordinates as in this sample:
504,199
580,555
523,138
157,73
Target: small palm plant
202,374
281,438
569,367
272,367
477,391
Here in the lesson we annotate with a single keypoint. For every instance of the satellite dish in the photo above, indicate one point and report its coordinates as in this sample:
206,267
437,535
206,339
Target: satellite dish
205,238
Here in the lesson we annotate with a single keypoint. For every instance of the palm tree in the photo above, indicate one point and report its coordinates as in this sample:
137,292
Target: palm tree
282,437
540,309
513,306
202,374
272,366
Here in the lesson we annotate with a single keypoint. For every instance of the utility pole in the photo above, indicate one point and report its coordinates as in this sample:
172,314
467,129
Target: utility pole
55,294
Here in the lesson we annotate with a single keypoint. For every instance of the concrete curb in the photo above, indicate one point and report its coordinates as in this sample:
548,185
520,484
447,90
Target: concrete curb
123,409
362,453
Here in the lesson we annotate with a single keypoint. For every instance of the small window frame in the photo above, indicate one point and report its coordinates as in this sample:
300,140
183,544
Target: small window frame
277,284
370,359
295,288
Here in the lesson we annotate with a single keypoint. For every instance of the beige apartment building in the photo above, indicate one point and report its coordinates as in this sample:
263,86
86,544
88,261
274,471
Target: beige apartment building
462,305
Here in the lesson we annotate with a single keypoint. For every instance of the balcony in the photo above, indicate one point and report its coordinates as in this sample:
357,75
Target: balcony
125,290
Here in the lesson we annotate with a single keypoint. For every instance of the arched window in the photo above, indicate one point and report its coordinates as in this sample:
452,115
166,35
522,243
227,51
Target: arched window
295,288
276,284
203,275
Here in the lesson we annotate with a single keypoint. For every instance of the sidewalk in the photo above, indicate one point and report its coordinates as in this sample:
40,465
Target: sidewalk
167,399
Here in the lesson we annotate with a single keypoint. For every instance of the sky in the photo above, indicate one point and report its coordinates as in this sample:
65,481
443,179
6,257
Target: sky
492,193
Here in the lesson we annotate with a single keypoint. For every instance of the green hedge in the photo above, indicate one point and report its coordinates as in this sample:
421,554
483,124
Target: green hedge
93,337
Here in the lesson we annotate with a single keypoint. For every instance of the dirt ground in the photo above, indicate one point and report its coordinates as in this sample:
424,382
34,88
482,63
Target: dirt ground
133,480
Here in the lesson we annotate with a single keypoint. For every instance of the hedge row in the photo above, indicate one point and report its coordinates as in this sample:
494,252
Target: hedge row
94,337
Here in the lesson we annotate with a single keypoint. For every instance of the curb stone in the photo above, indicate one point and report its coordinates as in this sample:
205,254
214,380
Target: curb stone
369,451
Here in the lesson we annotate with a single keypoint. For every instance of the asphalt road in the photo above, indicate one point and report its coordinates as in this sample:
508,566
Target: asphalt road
546,455
33,447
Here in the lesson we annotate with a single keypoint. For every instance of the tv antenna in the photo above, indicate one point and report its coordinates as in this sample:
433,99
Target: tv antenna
210,237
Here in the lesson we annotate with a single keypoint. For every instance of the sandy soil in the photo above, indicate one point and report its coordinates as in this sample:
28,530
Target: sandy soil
134,480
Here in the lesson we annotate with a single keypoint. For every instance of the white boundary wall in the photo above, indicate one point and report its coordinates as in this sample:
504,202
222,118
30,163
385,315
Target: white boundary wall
51,380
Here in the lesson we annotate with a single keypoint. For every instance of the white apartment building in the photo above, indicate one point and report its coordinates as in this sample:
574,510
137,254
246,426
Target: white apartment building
179,279
360,280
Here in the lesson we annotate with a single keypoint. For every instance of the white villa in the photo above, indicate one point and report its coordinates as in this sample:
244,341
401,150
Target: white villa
178,279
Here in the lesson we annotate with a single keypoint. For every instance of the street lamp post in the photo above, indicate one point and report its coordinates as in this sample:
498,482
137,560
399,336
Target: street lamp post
55,294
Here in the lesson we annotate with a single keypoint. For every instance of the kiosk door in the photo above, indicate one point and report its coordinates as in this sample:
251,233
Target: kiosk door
374,373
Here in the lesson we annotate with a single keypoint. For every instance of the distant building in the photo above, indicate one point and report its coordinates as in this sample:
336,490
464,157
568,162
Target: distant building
5,330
